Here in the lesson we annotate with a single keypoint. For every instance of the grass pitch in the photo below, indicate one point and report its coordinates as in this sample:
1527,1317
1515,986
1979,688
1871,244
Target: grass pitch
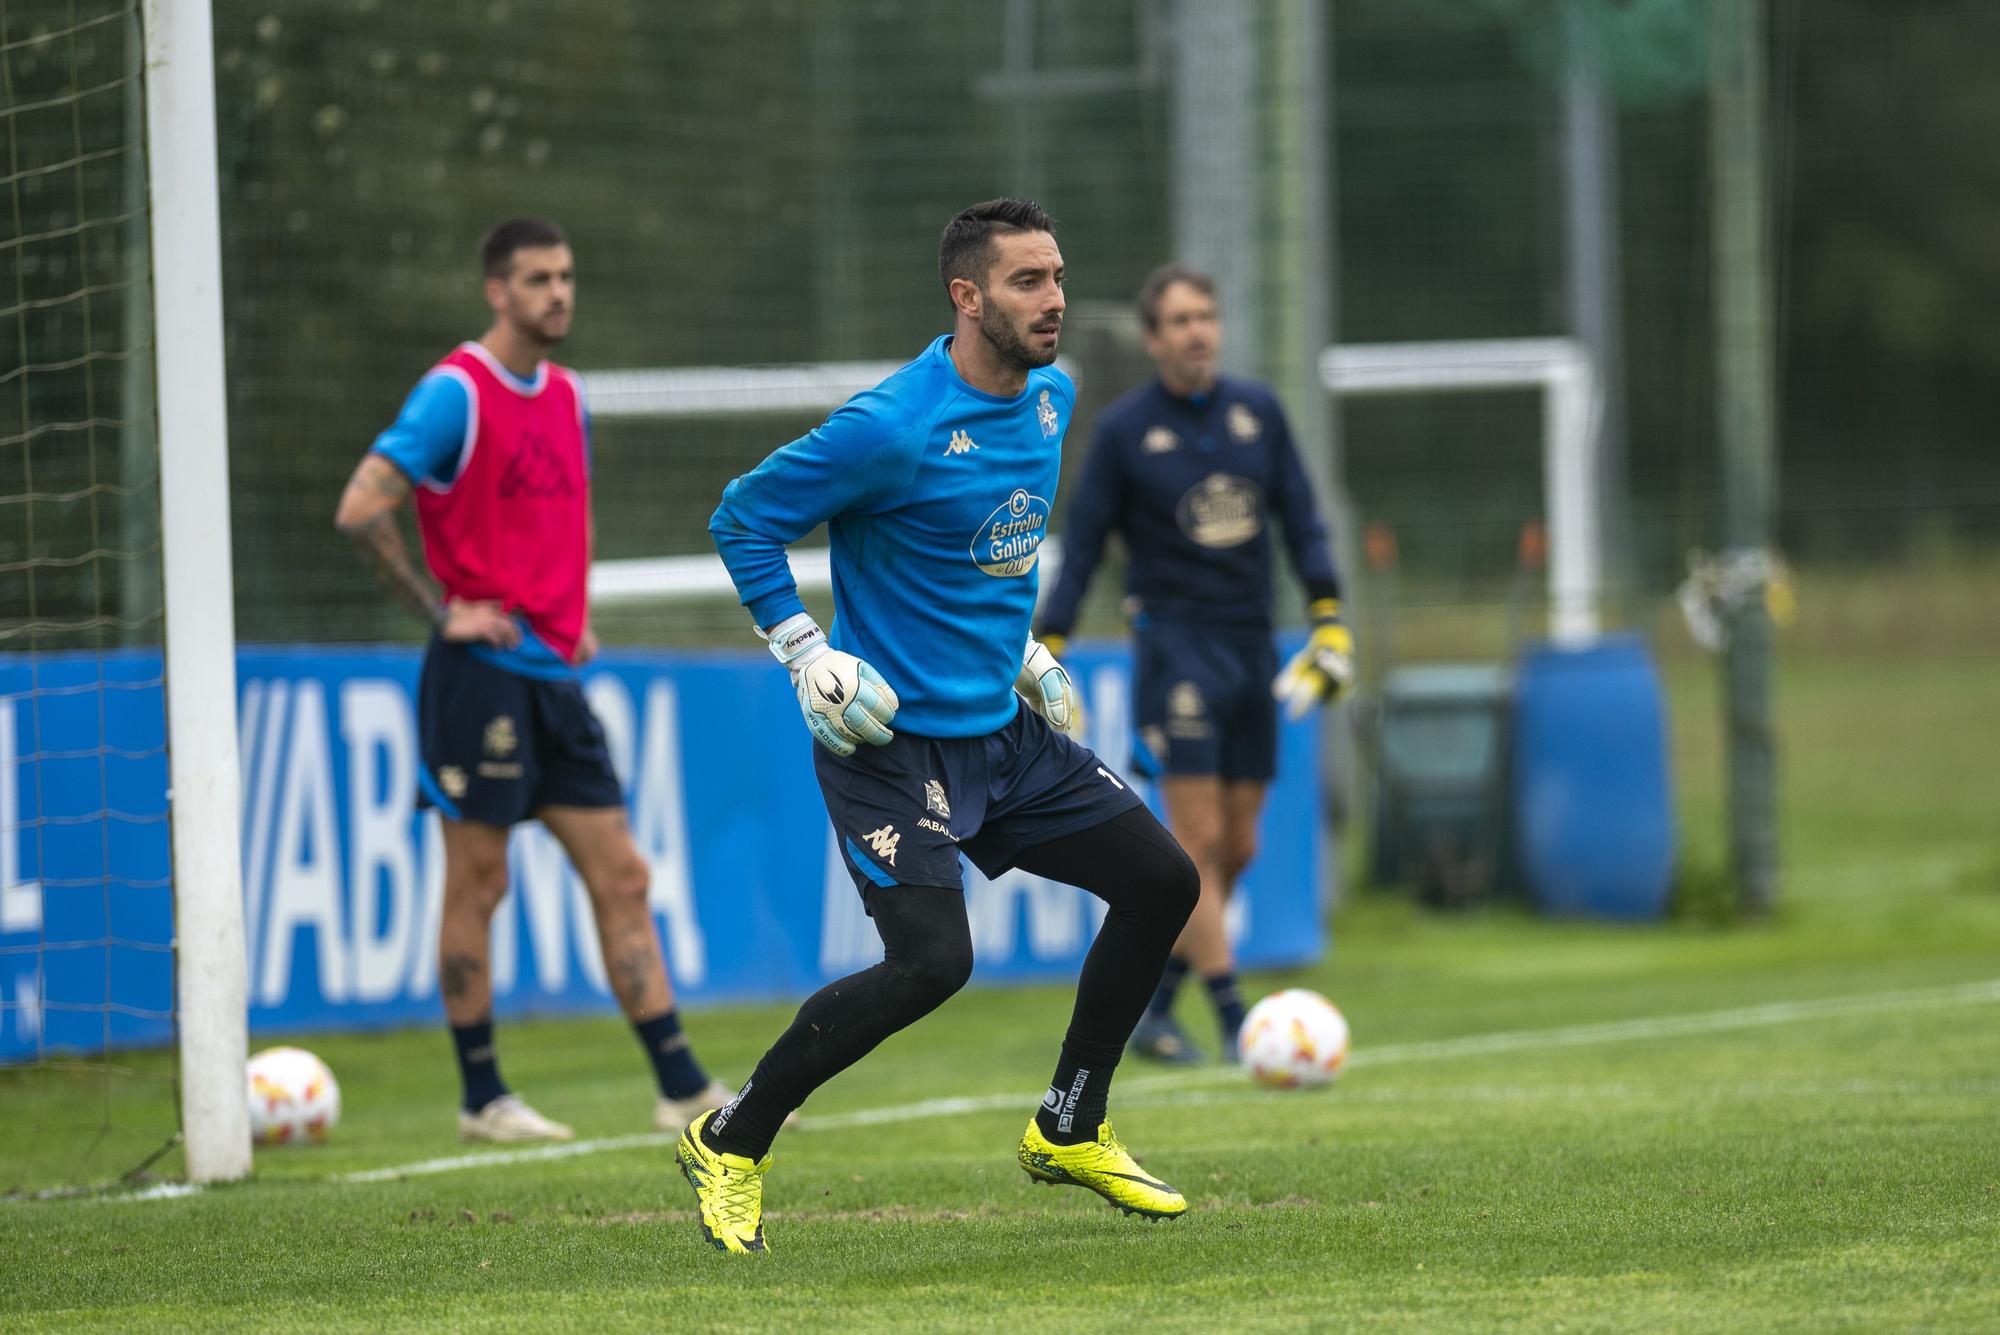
1779,1125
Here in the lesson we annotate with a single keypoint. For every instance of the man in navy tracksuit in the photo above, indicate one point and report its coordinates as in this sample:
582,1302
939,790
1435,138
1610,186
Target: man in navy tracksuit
1190,468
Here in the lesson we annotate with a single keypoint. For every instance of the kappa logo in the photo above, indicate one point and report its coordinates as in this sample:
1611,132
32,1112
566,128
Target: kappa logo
537,469
500,737
934,798
452,779
884,842
961,443
1159,440
1045,413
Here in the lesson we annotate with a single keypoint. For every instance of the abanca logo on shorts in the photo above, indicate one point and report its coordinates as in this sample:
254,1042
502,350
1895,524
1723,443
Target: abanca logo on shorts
1009,542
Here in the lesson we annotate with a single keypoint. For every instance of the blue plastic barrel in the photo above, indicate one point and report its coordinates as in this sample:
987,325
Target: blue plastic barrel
1593,801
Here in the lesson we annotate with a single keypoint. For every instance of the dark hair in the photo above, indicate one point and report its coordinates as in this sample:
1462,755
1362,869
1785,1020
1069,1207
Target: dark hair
1164,277
966,248
496,252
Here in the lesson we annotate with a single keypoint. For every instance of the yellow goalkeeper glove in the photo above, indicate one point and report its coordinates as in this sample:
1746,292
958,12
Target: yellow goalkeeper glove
1321,671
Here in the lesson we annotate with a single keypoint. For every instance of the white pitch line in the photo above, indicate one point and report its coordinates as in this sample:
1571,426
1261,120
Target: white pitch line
1614,1031
1623,1031
453,1162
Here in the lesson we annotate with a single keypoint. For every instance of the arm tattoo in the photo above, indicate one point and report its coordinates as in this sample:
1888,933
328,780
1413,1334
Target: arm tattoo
380,541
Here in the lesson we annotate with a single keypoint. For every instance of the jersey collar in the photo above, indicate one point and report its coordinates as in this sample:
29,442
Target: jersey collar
527,389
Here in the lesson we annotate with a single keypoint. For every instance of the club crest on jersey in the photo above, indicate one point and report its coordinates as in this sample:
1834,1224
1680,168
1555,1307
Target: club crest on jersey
1159,440
1009,542
1045,413
1244,425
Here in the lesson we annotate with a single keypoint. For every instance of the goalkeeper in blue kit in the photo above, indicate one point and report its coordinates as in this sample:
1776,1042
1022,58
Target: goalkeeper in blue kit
936,487
1190,468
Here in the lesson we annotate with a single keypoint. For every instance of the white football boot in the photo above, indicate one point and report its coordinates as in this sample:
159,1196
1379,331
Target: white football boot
506,1119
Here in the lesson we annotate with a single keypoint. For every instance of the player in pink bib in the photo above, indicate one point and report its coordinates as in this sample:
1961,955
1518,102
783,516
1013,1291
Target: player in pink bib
494,442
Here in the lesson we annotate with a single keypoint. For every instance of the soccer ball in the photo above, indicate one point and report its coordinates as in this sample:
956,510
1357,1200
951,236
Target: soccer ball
1294,1038
294,1098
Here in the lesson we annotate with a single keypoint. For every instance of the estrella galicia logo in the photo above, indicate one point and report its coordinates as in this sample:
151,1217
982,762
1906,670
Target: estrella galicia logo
1009,542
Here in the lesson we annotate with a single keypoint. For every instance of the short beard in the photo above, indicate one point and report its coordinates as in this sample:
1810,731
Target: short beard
532,331
1013,349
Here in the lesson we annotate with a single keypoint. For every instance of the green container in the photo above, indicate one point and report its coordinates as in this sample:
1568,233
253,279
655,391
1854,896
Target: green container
1440,781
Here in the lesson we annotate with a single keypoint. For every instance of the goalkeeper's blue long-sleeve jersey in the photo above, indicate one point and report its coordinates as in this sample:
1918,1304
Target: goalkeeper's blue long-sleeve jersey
937,497
1192,485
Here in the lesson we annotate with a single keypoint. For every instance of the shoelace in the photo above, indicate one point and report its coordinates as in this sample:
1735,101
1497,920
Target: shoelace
738,1197
1109,1147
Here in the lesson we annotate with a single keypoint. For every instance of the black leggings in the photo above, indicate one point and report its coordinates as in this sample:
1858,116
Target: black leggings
1130,862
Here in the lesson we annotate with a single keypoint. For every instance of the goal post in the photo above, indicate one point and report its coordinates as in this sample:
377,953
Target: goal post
200,647
1561,370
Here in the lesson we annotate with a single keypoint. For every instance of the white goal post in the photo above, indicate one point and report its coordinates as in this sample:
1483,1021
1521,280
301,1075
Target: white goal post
200,650
1558,367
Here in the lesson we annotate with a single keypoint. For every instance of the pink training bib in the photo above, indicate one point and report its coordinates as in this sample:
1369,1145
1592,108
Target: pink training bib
514,524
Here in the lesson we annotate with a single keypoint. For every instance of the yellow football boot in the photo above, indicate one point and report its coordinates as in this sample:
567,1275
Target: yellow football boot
1105,1167
730,1189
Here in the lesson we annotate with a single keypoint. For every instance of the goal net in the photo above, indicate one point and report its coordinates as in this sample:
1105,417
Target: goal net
89,844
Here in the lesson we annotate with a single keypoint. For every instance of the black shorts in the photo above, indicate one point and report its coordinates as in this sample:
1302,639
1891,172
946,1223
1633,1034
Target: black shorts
1203,702
499,746
904,812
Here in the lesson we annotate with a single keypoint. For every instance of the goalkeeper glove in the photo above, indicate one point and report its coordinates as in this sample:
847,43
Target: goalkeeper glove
1048,689
844,700
1321,671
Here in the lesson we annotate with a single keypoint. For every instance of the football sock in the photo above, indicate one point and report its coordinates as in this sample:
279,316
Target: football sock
1073,1108
926,956
674,1066
478,1064
1228,1000
1162,1004
1133,865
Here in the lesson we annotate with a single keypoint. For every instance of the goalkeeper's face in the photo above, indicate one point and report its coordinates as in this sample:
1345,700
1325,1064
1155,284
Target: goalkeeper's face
538,296
1186,338
1021,302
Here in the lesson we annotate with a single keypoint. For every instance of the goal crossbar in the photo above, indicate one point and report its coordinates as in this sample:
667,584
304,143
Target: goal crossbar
1558,368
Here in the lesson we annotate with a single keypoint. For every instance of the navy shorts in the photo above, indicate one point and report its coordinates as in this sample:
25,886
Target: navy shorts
499,746
904,812
1204,703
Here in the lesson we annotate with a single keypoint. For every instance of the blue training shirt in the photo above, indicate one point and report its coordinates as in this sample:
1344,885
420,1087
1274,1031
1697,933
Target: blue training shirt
428,436
427,443
1193,484
937,497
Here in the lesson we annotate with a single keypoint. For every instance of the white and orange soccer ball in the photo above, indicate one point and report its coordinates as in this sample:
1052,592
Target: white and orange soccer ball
1294,1039
294,1099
